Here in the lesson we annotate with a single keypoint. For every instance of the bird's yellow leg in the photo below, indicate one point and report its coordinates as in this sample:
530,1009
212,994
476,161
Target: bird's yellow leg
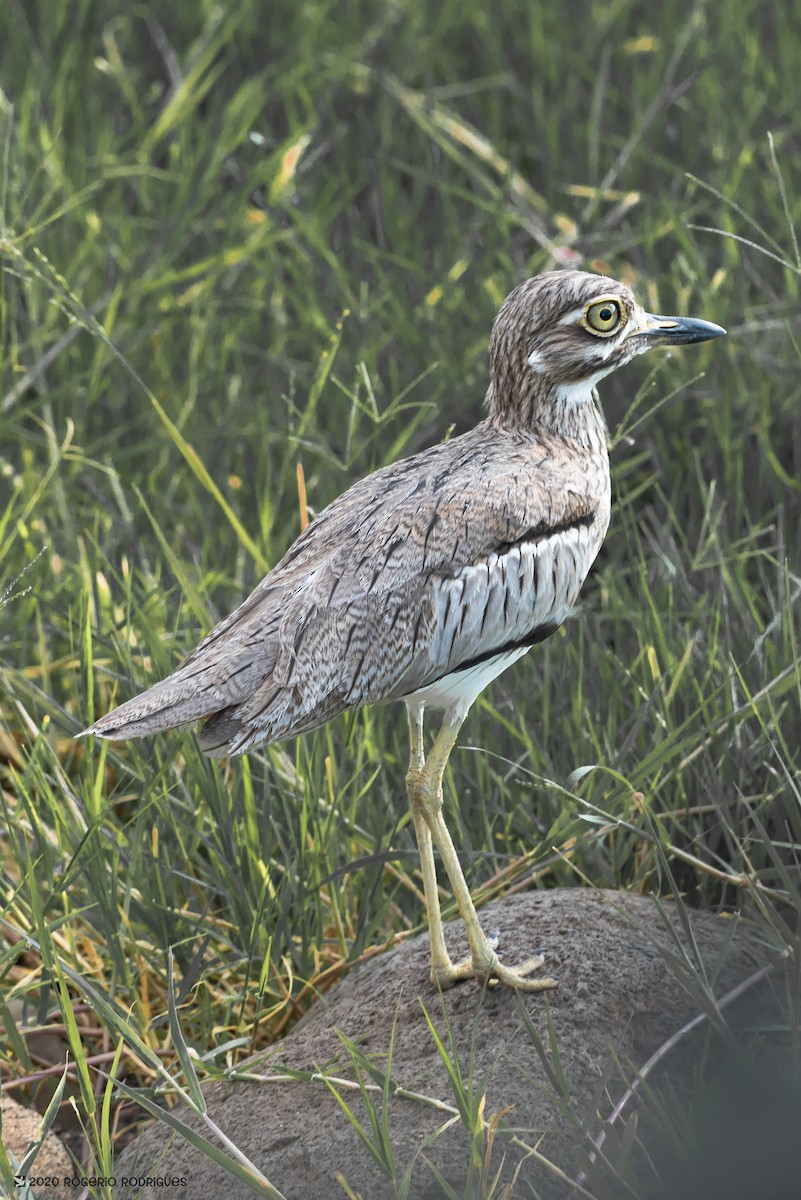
425,795
441,966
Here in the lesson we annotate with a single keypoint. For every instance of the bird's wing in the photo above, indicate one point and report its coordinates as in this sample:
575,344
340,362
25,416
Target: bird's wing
392,585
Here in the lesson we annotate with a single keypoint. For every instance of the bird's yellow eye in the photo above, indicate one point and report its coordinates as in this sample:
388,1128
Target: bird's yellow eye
604,316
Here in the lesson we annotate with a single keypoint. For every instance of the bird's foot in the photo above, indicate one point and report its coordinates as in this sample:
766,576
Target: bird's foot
487,968
515,977
445,975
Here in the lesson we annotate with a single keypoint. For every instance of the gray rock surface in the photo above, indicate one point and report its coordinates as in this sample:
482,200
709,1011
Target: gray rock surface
20,1130
617,1002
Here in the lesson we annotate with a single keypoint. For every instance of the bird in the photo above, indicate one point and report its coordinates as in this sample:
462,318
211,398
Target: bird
428,578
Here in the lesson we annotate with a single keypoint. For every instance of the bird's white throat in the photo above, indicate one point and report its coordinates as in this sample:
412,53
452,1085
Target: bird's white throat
574,395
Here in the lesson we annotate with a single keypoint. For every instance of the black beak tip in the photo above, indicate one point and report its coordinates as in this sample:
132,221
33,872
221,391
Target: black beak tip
712,331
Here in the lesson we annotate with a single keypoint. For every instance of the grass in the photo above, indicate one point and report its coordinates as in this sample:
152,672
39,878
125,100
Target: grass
236,246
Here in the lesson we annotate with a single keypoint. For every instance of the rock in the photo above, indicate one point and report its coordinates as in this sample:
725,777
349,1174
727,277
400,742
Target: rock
20,1130
617,1003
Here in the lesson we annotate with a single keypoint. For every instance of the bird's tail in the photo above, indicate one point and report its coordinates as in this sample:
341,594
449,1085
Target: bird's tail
178,700
204,686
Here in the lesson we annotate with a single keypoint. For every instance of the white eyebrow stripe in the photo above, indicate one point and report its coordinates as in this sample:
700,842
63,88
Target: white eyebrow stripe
573,317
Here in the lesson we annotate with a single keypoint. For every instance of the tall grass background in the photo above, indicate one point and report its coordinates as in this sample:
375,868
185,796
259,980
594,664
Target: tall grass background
252,252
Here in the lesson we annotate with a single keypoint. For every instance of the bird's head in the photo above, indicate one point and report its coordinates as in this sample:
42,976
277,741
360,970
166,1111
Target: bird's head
559,333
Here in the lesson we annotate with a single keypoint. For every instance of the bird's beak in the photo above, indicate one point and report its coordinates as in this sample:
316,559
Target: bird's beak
675,331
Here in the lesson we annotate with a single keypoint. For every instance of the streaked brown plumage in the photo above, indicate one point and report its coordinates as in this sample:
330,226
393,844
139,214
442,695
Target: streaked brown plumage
426,579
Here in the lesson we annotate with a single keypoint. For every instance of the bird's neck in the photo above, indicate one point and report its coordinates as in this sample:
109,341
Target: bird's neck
566,410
